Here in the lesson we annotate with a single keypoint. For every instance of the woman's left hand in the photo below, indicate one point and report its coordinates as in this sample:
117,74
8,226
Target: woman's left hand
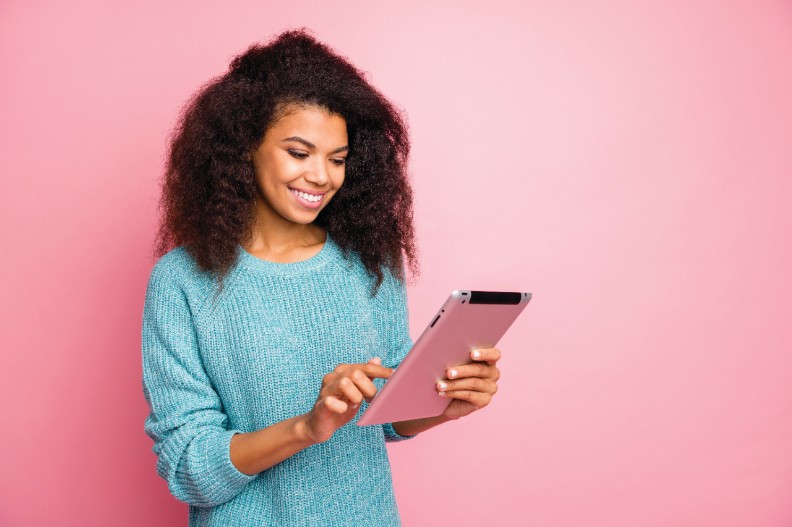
472,385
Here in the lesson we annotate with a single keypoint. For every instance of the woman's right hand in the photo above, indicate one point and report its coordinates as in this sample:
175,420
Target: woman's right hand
340,396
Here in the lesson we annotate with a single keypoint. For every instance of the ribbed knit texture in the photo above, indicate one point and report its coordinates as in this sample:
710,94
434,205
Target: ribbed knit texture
216,365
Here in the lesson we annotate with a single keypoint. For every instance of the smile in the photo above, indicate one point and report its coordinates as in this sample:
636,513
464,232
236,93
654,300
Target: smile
307,199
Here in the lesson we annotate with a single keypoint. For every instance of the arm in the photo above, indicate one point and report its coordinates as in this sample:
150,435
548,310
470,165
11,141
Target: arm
186,420
254,452
204,462
339,398
391,303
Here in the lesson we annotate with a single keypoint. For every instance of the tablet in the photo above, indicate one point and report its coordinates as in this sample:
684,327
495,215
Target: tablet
468,320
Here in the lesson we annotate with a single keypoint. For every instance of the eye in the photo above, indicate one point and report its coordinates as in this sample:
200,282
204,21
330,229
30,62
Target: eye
338,161
297,154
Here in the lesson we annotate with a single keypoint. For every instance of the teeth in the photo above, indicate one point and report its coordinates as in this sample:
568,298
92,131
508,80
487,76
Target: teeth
308,197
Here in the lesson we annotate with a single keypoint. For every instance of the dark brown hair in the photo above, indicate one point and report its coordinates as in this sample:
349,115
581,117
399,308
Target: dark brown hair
209,186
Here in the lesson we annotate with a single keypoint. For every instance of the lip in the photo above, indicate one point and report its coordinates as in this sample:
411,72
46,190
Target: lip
311,192
313,205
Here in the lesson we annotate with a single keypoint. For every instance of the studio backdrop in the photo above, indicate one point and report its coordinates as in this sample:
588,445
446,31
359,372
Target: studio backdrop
627,162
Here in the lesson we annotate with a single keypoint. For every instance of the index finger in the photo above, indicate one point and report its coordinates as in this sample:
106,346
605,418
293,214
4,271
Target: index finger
375,371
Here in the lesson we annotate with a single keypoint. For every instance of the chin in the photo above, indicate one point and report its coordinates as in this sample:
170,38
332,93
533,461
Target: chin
303,217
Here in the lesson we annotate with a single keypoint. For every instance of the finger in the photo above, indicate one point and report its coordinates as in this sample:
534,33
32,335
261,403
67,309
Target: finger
490,355
373,371
346,387
364,384
329,379
477,399
473,384
375,360
475,369
335,405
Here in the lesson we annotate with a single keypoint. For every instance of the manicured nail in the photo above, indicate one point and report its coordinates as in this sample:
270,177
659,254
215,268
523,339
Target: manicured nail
442,385
441,394
476,354
452,373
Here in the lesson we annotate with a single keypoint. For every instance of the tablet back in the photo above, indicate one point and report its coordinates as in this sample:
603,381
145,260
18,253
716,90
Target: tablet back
468,320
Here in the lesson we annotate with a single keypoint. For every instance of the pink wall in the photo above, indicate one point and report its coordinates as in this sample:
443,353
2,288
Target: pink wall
628,162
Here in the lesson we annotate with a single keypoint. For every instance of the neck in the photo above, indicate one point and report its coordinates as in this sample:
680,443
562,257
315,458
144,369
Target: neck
275,235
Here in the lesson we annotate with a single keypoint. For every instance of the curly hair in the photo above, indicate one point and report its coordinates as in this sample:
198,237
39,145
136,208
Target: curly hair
209,188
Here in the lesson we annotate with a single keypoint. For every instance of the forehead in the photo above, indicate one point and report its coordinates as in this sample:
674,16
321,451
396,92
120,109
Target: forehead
298,119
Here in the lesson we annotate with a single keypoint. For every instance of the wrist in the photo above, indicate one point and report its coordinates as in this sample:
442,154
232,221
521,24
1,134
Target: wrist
303,432
415,426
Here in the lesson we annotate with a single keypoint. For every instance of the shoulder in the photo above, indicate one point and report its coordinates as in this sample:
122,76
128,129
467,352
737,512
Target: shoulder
392,286
390,289
175,265
177,273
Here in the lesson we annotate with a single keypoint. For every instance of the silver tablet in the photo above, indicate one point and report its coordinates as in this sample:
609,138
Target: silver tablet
468,320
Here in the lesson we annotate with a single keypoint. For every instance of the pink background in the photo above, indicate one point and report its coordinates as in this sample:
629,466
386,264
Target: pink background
630,163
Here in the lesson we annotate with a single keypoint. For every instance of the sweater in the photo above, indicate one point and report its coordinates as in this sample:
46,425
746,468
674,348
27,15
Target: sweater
215,365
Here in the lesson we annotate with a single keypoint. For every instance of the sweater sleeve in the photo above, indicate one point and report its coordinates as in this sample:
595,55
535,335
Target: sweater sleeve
397,334
186,420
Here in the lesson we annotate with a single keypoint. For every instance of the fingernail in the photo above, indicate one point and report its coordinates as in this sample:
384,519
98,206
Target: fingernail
441,394
476,354
452,373
442,385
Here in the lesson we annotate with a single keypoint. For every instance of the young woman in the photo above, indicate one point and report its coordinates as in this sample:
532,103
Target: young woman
279,298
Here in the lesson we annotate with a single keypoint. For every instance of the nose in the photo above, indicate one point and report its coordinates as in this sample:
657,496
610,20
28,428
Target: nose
318,174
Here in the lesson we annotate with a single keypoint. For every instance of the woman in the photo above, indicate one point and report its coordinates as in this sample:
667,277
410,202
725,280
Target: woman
279,298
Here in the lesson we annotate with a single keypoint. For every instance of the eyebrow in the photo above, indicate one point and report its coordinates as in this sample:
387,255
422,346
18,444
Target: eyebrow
309,144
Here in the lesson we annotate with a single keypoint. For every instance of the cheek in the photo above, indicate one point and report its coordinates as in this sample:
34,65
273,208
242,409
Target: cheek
340,179
276,172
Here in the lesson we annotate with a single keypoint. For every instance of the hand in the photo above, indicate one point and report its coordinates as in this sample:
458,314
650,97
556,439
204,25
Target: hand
340,396
471,385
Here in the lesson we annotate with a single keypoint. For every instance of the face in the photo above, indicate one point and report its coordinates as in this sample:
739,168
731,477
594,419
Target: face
300,164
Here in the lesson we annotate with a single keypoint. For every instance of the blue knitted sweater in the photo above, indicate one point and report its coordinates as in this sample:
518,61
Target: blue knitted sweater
254,355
